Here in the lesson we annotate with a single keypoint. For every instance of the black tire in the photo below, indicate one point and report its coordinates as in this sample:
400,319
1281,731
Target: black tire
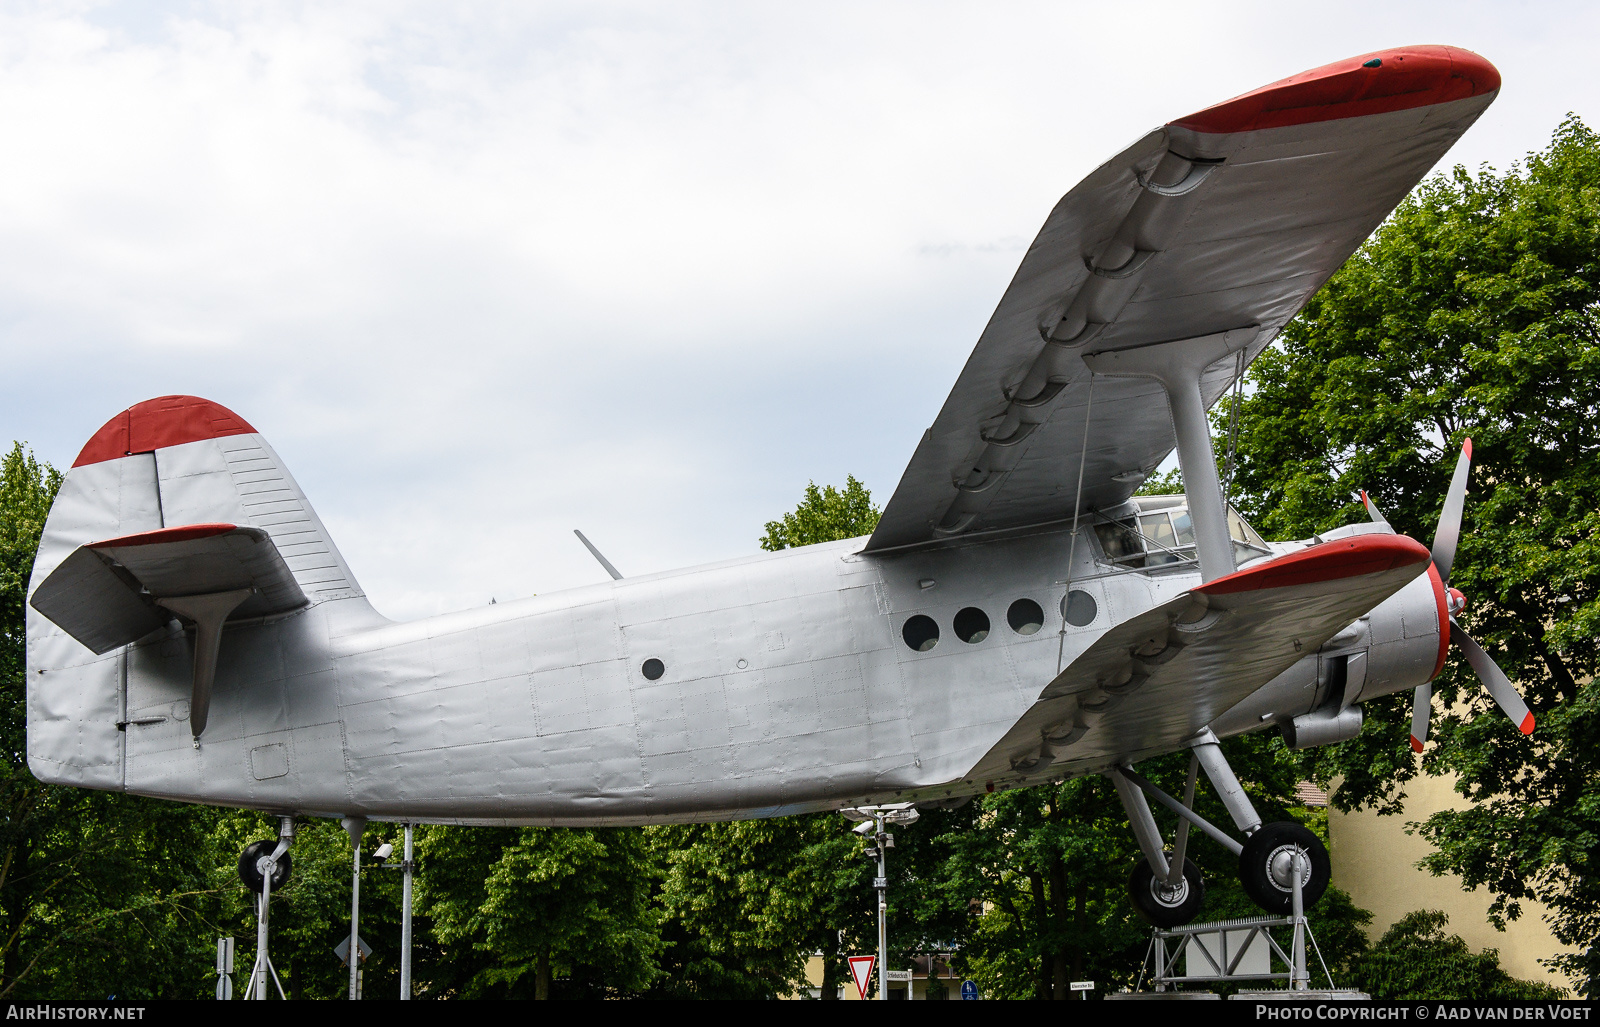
1264,867
250,871
1162,906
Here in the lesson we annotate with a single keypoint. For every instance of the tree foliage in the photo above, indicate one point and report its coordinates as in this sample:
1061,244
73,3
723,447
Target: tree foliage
1471,312
539,912
824,515
1416,960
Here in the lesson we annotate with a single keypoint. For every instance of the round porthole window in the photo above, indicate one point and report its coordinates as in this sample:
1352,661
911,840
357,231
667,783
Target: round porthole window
1025,617
1079,608
653,668
972,625
920,633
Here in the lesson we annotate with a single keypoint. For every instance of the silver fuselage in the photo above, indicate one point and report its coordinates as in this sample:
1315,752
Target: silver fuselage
787,686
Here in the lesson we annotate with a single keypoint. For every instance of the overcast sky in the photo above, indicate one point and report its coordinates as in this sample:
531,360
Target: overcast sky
484,273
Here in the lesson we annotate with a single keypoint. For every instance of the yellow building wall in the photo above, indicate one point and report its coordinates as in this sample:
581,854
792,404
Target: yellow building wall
919,984
1374,859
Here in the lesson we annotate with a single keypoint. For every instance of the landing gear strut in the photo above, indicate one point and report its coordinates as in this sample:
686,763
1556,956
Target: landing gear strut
1167,889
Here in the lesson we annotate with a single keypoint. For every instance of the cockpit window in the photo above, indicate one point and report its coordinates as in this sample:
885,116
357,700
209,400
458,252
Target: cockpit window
1162,533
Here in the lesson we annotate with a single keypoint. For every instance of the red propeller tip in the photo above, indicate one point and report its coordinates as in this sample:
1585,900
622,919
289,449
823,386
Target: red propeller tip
1466,447
1416,746
1526,727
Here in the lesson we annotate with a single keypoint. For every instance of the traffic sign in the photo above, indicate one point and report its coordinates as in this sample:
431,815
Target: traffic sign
969,991
861,971
1082,985
902,976
342,950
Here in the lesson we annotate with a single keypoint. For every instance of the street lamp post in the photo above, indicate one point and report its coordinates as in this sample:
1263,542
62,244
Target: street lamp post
874,820
882,884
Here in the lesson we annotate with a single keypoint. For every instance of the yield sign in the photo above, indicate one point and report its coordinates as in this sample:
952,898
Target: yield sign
861,970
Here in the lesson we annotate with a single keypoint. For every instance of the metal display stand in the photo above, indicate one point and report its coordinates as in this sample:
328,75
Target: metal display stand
1222,951
263,965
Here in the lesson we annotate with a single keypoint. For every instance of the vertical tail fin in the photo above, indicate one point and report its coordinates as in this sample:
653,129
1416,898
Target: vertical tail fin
162,464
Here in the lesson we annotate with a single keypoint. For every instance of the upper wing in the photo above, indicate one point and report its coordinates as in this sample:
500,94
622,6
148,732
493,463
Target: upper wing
1163,676
104,593
1223,222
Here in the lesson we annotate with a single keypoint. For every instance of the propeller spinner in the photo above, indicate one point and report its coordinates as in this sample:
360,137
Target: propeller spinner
1445,538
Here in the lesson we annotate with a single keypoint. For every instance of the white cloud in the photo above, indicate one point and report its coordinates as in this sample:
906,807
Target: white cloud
489,272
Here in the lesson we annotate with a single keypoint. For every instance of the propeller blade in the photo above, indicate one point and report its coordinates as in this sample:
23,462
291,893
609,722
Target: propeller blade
1421,706
1373,512
1494,679
1448,533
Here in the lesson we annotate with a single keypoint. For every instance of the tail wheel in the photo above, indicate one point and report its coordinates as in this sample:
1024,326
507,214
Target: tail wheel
1266,862
1167,906
254,857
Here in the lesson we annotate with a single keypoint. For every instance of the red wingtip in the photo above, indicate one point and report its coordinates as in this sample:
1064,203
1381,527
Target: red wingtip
159,423
1374,83
1466,448
1328,561
1416,745
1526,727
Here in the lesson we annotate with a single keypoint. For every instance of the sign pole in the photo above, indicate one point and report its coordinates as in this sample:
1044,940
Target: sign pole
883,910
355,827
224,969
405,921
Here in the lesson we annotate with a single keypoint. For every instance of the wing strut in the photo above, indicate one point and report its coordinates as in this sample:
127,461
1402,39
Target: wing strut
1178,366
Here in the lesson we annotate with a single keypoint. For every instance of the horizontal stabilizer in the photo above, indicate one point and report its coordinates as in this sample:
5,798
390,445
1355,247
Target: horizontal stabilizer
104,594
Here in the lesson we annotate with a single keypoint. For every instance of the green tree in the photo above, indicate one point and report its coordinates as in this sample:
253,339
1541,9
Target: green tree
1415,960
1471,312
99,894
824,515
740,905
538,912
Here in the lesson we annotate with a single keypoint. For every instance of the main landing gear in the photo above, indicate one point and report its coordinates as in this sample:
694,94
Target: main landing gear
1166,887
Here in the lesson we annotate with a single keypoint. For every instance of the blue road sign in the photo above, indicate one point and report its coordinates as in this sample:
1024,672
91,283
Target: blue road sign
969,990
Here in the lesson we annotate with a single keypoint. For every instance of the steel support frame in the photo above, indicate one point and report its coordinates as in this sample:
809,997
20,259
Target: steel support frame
263,965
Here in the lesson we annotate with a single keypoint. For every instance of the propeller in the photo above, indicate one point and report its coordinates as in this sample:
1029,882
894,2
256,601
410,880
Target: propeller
1445,538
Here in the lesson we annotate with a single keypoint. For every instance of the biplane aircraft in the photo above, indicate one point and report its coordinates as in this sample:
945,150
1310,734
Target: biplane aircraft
1019,614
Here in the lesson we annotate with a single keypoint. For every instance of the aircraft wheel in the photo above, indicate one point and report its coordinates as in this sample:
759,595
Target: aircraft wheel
250,861
1264,867
1164,906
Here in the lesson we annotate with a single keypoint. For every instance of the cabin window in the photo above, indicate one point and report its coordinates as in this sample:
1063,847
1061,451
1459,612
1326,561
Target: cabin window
653,669
920,633
1162,533
1078,608
972,625
1025,617
1119,540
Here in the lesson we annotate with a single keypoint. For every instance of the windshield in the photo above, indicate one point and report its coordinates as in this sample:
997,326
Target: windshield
1160,533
